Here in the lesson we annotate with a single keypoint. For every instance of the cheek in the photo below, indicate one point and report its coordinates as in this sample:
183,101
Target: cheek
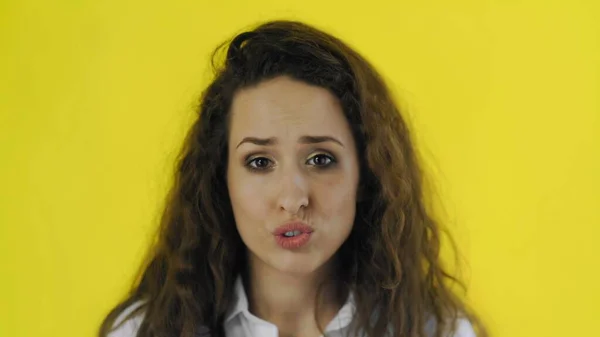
247,199
337,201
341,189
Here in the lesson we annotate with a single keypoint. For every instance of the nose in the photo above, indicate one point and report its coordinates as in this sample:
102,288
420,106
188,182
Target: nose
294,192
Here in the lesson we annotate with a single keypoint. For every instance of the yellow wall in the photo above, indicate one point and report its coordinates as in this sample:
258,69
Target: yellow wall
95,96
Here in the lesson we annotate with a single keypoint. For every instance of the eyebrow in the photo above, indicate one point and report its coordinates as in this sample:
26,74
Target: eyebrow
302,140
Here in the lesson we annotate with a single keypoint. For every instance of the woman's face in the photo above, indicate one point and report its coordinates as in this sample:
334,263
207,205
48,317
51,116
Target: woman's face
292,159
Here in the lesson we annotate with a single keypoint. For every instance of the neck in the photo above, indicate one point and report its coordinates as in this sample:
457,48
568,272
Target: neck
290,300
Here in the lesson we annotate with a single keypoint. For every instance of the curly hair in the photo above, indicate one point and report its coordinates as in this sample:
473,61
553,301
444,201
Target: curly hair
391,259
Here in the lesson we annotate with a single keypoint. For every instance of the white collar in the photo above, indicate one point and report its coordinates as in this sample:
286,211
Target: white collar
240,305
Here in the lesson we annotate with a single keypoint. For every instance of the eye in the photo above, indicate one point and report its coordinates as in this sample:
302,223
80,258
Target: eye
259,163
322,160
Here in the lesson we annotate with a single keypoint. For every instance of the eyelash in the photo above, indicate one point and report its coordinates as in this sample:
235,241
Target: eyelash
331,162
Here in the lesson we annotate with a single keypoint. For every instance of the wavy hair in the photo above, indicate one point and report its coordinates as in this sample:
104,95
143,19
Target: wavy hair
391,259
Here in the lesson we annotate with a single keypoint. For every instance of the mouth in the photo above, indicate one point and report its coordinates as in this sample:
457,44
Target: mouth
293,235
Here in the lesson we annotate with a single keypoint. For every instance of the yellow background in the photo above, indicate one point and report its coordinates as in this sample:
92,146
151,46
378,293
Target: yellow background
95,97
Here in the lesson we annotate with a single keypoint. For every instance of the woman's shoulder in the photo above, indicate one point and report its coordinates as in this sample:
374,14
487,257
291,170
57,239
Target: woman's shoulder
463,328
126,326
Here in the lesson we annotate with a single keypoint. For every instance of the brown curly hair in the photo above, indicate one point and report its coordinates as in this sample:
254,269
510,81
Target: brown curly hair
391,259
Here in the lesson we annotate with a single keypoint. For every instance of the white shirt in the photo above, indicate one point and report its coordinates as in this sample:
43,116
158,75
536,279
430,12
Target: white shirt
239,322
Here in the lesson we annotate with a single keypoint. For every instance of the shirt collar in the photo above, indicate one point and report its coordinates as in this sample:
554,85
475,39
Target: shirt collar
240,304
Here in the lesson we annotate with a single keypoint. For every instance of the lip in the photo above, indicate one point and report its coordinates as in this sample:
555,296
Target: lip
293,242
293,226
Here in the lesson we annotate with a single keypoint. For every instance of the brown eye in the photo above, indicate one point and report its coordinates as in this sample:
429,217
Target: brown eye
321,160
259,163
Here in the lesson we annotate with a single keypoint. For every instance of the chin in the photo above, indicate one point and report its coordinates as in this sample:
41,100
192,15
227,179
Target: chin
296,270
302,262
297,263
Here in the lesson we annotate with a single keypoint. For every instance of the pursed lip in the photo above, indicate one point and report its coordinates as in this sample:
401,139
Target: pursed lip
292,227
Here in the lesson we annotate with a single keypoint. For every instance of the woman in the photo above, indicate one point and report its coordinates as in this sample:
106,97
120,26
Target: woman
297,208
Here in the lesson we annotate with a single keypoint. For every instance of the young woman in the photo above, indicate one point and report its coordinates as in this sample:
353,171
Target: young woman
297,208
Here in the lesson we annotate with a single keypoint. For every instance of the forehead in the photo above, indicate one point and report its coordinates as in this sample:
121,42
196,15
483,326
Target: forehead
286,107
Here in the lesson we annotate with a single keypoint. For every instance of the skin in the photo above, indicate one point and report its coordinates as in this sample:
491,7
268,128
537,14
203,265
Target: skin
291,178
